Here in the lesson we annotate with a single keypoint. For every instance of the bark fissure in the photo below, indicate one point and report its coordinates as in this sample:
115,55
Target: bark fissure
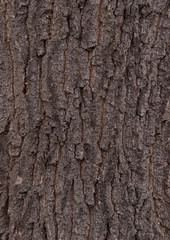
72,208
45,231
102,112
25,88
150,166
65,63
81,177
54,191
37,153
80,114
90,222
99,22
8,40
112,200
41,89
50,22
90,70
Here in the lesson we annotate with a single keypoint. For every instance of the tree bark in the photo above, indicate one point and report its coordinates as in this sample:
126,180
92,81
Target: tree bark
84,120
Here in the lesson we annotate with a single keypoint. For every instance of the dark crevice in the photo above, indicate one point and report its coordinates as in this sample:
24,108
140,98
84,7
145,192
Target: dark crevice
72,207
90,222
54,190
108,231
25,88
101,133
45,232
65,62
8,40
89,57
51,18
80,114
99,22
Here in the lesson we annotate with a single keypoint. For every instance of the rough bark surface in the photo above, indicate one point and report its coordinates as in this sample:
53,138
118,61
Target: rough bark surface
84,120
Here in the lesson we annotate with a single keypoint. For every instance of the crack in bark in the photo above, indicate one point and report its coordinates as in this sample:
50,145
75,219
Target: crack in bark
134,224
82,178
123,125
99,22
72,207
150,166
45,231
112,201
37,152
108,231
65,63
101,132
8,40
54,190
90,222
40,89
50,22
24,91
90,70
80,114
67,129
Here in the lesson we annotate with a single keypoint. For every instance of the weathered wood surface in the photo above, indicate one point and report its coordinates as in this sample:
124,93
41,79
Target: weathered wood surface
84,120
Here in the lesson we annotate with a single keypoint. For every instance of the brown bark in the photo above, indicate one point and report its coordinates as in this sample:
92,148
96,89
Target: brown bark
84,120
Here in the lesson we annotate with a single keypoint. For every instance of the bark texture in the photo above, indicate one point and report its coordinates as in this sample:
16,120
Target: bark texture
84,120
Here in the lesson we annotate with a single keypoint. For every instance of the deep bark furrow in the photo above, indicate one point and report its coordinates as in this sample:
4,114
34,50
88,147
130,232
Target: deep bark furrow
50,22
90,223
72,209
55,196
65,63
90,69
25,88
8,39
80,114
99,22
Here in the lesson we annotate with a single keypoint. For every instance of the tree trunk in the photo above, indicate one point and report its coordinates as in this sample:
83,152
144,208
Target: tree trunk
84,120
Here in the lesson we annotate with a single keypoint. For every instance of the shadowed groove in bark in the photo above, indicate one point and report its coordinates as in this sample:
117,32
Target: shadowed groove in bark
65,63
112,199
90,222
45,231
101,132
8,40
150,167
25,88
89,56
50,22
80,114
72,207
37,152
81,177
54,190
40,86
99,22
